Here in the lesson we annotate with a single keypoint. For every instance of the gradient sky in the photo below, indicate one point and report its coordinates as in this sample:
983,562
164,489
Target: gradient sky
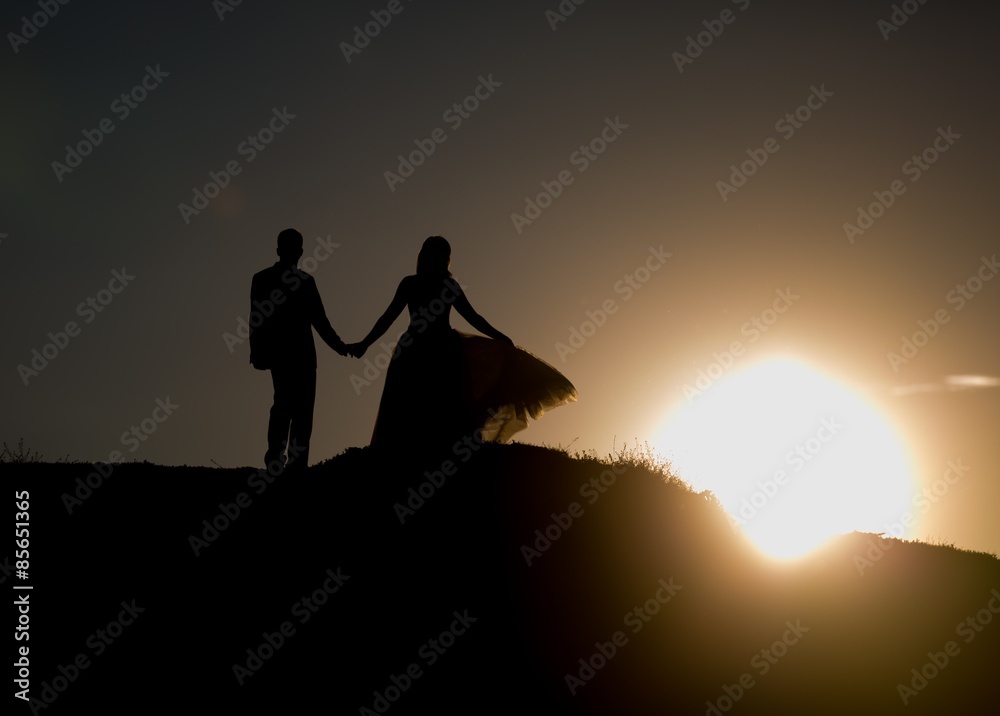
888,93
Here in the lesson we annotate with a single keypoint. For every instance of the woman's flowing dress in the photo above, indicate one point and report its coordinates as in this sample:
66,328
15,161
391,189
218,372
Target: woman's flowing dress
443,385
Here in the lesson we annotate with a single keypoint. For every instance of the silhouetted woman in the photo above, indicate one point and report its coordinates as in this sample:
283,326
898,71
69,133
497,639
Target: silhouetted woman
443,385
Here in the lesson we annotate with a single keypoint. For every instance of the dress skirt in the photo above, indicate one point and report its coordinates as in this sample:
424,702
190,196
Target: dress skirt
448,386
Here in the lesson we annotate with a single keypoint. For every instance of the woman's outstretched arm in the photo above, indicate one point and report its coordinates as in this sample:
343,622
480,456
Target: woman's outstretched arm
466,311
385,320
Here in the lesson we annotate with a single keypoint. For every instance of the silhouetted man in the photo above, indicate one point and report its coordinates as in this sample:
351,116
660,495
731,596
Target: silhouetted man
284,308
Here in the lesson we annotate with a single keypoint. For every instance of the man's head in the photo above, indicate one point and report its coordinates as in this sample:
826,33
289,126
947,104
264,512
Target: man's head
289,246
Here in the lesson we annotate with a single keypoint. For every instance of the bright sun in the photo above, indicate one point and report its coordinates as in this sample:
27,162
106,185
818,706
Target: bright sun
792,455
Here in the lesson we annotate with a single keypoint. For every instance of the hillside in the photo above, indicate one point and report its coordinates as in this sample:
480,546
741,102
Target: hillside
329,589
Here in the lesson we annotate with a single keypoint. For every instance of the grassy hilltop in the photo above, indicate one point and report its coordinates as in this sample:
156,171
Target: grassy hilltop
525,581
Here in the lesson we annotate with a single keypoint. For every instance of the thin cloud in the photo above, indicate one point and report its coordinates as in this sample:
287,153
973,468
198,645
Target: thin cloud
948,384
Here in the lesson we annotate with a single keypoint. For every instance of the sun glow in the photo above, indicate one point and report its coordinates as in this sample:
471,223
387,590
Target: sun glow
793,456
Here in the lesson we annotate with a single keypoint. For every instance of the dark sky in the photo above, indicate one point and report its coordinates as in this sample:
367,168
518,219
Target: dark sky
879,98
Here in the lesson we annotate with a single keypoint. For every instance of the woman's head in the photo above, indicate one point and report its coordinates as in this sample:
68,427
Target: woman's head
434,257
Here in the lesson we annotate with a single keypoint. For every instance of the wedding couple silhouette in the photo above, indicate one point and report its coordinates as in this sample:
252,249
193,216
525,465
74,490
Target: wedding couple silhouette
441,386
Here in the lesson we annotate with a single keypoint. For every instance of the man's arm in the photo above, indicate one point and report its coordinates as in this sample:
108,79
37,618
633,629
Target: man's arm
322,324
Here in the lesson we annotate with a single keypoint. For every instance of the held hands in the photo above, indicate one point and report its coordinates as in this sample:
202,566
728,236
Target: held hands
356,350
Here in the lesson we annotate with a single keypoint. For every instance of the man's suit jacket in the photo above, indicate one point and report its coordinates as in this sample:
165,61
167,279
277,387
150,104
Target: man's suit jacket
284,307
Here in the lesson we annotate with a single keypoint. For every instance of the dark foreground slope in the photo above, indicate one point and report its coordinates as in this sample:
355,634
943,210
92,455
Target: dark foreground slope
316,598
